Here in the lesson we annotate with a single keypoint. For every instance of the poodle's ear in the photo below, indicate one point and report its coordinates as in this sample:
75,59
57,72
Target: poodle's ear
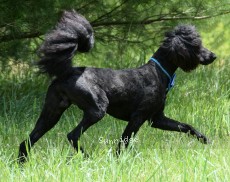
175,48
183,47
179,50
178,46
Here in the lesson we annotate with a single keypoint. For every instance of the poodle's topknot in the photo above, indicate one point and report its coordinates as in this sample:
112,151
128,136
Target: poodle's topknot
182,46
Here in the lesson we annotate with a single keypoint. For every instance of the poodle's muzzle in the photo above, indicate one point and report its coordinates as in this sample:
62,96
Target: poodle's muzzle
206,56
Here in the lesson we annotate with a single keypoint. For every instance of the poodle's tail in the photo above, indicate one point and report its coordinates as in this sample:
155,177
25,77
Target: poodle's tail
72,33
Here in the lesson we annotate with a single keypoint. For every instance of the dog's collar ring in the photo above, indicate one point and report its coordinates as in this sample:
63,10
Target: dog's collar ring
171,82
171,78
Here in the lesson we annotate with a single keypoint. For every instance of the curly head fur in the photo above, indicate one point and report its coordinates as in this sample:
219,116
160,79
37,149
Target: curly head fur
183,47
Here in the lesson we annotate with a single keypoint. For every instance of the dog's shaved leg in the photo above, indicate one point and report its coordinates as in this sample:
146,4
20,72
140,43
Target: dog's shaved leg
165,123
132,128
86,122
96,110
51,113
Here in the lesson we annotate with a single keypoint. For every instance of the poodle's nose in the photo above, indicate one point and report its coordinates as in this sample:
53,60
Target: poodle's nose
213,56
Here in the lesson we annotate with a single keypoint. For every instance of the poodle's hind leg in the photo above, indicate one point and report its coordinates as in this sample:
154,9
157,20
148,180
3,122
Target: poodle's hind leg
132,128
55,105
89,119
94,103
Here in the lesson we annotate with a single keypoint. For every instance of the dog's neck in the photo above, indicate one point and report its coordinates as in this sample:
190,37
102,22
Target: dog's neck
167,67
165,63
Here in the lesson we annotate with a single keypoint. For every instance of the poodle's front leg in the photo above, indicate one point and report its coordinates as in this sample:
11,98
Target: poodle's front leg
164,123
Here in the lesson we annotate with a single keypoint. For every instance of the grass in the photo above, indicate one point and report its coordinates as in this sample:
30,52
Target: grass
201,98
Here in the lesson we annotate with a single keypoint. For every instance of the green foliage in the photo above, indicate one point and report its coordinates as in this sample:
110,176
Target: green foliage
217,38
127,32
120,25
201,98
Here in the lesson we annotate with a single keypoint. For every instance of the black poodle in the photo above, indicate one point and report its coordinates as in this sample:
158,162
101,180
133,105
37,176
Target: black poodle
133,95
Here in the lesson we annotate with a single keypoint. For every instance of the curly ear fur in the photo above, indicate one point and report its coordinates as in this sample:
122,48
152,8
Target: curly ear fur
182,46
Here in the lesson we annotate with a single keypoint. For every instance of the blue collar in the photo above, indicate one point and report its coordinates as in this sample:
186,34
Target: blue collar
171,78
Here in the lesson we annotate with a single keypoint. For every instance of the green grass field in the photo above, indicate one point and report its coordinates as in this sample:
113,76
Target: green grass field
201,98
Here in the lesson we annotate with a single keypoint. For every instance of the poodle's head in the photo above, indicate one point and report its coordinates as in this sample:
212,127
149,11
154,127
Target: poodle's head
184,48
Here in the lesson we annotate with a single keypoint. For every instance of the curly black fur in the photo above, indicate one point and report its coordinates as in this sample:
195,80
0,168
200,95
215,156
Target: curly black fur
72,33
183,47
133,95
